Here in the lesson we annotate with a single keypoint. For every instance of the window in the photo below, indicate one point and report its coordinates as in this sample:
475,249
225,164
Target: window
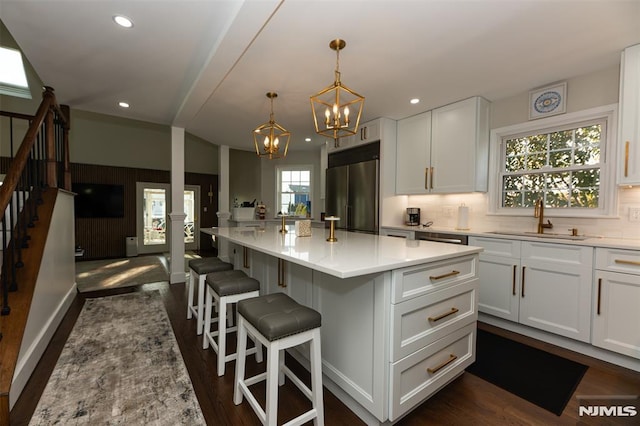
13,79
559,160
294,188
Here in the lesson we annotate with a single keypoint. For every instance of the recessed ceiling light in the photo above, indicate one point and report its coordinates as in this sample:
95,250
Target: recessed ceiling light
123,104
307,139
414,101
123,21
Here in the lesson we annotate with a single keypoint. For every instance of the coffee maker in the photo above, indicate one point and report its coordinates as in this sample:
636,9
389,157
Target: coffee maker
412,217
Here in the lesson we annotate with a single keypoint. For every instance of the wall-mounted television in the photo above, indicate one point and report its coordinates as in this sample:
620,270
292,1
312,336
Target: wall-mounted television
98,200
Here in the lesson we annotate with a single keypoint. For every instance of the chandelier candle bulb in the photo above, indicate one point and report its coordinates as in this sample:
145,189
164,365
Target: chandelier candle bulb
463,217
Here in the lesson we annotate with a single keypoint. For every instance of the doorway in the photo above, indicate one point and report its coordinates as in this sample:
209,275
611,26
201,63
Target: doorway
152,211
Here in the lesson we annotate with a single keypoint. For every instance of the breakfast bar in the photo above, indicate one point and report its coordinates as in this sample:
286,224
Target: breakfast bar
398,316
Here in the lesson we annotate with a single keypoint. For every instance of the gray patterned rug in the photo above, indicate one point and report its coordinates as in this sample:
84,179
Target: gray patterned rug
106,274
120,366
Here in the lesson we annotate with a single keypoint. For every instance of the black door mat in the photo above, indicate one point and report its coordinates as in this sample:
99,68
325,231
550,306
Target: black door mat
541,378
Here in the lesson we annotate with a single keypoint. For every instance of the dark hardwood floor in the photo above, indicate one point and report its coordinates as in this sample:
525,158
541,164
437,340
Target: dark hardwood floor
467,400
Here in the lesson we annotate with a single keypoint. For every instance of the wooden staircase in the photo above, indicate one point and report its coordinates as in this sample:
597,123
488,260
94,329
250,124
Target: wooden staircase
27,196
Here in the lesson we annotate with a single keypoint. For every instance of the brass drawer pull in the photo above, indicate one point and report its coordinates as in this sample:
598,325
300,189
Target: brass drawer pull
599,294
426,178
281,273
439,277
446,314
626,159
431,177
627,262
245,257
435,369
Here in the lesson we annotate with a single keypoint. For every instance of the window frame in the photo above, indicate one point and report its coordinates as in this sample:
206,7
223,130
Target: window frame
607,194
17,63
294,167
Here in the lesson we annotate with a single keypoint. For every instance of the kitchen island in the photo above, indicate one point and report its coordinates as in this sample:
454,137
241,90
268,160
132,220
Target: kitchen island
398,316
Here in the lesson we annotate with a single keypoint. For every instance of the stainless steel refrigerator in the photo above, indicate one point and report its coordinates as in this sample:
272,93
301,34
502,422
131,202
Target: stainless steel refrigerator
352,195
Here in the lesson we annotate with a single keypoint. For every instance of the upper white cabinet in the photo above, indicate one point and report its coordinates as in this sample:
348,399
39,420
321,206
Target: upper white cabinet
367,132
413,154
445,150
629,126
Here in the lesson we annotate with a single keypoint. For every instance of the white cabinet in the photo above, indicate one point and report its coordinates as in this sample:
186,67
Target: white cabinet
616,306
400,233
542,285
279,276
629,125
413,154
445,150
367,132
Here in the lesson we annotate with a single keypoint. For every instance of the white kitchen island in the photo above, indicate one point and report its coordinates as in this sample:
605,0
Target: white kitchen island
398,316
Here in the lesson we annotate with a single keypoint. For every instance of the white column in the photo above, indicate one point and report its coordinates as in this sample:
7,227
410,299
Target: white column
177,215
223,201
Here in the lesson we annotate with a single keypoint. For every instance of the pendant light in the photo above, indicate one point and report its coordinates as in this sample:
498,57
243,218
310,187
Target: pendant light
336,109
270,137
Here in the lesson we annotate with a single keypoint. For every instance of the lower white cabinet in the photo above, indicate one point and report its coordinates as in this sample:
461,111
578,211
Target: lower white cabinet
616,305
400,233
542,285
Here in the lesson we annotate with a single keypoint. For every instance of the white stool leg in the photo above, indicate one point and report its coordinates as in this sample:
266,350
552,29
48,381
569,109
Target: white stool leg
281,355
241,350
190,294
207,318
315,356
273,364
258,346
222,335
201,286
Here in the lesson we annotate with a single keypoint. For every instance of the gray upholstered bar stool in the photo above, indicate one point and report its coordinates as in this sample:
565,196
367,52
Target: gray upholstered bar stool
279,322
198,269
224,289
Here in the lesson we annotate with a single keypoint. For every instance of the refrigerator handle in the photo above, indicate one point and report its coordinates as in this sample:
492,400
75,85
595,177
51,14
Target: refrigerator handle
346,216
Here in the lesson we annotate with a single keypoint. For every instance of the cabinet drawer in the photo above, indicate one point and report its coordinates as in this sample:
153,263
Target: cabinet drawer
418,280
496,246
419,322
418,376
627,261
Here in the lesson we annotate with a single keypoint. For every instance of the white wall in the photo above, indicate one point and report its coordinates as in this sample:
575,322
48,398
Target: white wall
584,92
55,290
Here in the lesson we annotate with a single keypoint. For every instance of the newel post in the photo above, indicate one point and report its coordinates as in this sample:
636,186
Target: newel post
65,140
50,148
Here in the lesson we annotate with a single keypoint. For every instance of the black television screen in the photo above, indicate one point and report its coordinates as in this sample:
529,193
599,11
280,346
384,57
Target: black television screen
98,200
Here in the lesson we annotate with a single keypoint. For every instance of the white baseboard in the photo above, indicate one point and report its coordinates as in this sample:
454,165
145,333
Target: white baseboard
34,352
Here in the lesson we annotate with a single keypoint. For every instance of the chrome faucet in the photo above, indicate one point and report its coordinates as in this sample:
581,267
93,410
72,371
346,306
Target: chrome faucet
538,212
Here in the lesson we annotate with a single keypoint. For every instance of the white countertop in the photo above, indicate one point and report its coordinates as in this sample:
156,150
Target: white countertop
354,254
590,241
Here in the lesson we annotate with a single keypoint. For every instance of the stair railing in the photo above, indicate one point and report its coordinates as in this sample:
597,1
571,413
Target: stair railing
41,162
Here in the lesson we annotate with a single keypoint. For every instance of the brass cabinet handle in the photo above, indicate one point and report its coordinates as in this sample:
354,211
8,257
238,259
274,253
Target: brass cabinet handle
627,262
435,369
599,293
448,274
446,314
281,273
522,290
245,257
513,280
626,159
431,177
426,178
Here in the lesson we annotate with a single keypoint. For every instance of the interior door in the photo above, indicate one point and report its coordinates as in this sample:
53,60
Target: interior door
152,210
192,219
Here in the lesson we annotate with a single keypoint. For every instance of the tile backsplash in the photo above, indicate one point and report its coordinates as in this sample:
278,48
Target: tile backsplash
443,211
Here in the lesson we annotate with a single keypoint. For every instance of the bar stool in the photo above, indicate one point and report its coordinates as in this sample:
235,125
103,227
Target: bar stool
198,269
278,322
225,288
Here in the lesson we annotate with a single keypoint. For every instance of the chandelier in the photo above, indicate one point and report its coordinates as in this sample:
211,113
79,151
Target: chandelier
335,106
269,137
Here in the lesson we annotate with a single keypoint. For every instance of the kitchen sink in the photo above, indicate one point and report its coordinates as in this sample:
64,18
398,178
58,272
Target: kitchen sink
545,235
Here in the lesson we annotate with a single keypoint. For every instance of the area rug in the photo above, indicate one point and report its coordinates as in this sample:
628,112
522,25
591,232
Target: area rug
539,377
121,365
95,275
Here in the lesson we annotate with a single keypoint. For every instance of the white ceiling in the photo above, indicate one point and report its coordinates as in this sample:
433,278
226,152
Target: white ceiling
206,65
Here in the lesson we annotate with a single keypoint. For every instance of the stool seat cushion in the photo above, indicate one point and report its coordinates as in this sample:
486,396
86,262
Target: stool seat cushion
229,286
277,315
207,265
230,274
